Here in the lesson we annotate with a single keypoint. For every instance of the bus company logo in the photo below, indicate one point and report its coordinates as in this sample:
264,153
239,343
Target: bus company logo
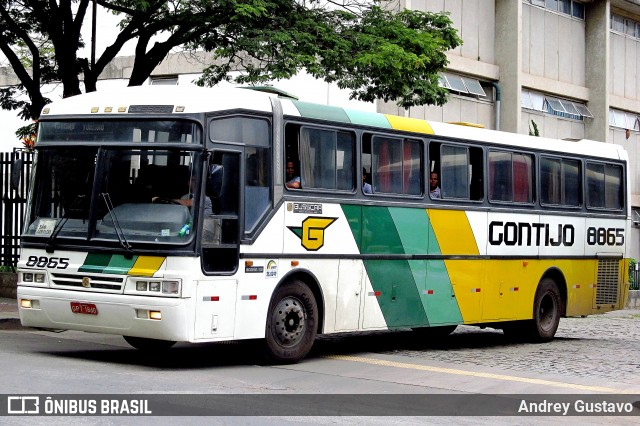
307,208
86,282
272,269
311,233
23,405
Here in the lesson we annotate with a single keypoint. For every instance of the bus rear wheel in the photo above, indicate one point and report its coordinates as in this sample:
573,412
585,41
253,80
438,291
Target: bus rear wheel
547,309
291,323
145,344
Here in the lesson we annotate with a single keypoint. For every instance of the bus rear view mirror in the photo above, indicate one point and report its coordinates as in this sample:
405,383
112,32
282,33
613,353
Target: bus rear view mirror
16,173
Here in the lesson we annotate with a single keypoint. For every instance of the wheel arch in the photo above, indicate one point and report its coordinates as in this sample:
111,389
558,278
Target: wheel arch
558,277
312,282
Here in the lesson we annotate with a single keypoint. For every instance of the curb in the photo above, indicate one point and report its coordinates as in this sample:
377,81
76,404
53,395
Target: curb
11,324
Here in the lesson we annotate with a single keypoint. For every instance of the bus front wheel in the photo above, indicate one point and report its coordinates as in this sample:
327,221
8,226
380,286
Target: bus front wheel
291,322
145,344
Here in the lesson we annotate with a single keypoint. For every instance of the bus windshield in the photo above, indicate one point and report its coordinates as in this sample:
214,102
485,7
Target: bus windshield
121,131
111,194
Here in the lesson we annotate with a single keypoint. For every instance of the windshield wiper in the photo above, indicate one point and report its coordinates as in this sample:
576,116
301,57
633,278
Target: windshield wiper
49,247
116,225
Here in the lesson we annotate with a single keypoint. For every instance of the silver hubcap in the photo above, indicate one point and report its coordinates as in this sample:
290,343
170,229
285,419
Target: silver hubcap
289,321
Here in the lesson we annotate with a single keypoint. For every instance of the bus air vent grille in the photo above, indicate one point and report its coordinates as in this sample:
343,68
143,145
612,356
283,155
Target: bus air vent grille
607,285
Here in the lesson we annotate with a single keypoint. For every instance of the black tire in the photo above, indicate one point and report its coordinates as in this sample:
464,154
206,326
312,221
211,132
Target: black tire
435,332
144,344
291,323
547,309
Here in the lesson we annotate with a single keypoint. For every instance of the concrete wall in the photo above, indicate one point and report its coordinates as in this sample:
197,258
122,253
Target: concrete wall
624,62
551,126
553,45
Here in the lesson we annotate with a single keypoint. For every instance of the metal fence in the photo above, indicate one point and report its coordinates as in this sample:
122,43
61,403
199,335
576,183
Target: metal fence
13,203
634,276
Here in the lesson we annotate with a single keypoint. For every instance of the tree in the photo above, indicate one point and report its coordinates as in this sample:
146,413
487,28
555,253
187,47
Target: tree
373,51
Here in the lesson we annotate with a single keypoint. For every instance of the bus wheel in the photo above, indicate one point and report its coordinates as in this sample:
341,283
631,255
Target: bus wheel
547,308
546,311
291,322
145,344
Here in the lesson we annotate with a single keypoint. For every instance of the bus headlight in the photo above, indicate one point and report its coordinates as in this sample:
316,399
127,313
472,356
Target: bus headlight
170,287
33,277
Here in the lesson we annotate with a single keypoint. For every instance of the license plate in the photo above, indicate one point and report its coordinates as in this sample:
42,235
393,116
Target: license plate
84,308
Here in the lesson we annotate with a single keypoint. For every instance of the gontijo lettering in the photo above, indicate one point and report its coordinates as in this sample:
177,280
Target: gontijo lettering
527,234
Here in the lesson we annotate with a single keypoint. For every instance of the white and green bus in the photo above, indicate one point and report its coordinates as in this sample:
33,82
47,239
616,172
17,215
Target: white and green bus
162,214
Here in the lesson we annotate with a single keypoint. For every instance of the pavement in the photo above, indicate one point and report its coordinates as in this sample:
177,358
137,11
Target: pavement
9,317
8,308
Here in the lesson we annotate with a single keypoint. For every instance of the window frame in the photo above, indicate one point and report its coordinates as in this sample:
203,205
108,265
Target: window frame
401,140
562,160
532,181
621,190
335,130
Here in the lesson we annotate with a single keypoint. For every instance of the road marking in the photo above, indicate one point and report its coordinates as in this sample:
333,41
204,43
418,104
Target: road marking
385,363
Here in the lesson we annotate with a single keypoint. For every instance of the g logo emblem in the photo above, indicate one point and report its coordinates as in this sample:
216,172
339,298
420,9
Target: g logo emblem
311,233
86,282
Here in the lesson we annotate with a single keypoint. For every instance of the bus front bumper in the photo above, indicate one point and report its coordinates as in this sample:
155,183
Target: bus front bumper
139,316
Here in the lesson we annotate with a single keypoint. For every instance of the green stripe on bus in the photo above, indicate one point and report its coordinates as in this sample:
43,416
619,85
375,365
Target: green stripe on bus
119,264
399,298
432,281
95,262
322,112
368,118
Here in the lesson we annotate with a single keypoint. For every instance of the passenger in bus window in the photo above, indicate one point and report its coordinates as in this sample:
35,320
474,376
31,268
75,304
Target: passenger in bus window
366,187
293,180
434,189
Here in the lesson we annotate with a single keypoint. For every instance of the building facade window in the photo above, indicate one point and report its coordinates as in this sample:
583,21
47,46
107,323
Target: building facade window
624,119
566,7
164,81
555,106
625,26
461,84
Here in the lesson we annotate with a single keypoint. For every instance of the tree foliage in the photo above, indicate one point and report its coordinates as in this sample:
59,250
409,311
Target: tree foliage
375,52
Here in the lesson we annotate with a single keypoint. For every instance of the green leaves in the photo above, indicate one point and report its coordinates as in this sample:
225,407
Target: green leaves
373,52
377,54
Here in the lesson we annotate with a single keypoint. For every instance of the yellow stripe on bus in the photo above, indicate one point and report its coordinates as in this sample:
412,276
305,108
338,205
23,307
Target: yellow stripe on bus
409,124
146,265
455,237
453,231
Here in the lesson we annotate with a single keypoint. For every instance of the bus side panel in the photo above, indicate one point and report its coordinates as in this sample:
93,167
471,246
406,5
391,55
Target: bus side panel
393,280
455,237
432,280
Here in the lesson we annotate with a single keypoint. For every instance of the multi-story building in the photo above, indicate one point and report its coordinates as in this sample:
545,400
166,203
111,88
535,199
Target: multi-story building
570,68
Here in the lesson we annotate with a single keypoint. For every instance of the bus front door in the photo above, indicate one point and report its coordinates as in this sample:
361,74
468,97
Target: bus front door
220,232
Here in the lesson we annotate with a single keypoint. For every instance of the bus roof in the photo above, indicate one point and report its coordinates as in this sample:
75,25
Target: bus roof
193,99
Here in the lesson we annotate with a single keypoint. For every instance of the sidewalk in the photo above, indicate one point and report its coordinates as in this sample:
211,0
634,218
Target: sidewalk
8,308
9,318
